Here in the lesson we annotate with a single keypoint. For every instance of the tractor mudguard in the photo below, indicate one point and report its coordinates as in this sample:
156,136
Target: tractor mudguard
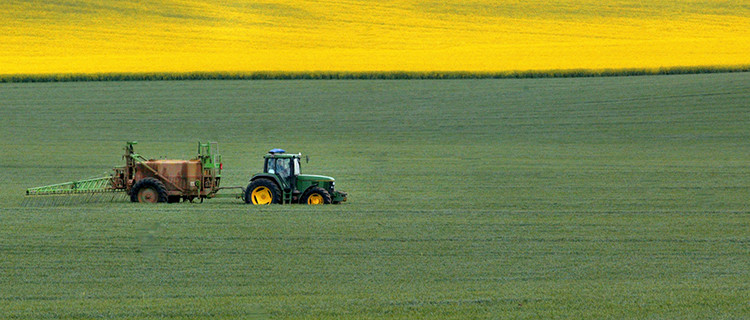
271,177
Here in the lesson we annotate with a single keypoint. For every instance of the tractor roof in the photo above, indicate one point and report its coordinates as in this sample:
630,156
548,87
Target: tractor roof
282,155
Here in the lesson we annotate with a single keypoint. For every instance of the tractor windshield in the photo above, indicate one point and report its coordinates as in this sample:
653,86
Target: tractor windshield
280,166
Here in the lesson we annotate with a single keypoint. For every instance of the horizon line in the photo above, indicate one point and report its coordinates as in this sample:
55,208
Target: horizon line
365,75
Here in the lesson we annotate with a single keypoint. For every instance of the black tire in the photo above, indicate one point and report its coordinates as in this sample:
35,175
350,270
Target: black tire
148,190
262,191
316,195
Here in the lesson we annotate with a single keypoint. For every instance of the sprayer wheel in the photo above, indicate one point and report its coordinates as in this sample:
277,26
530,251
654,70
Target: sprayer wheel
148,190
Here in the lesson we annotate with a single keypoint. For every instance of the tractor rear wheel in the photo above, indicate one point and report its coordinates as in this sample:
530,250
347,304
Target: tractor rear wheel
316,195
148,190
262,191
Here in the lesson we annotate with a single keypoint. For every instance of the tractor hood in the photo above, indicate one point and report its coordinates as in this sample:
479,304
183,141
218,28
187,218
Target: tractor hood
312,177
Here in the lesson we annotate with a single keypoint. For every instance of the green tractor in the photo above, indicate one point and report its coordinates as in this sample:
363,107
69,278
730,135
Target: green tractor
282,182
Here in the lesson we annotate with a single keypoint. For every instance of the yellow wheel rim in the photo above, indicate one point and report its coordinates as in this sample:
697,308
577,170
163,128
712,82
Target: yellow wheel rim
315,199
261,195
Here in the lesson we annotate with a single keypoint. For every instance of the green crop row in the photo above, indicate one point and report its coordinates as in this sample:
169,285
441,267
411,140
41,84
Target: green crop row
366,75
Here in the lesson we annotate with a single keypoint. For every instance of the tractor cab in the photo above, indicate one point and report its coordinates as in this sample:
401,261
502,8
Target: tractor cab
285,166
282,182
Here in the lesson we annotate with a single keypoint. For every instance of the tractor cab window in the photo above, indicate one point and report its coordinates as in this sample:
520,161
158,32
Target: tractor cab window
280,166
271,165
296,166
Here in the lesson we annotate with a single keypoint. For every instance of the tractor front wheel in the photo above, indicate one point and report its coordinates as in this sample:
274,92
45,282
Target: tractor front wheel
262,191
316,195
148,190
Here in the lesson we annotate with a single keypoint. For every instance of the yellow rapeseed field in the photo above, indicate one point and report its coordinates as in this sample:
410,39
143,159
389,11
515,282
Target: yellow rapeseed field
95,36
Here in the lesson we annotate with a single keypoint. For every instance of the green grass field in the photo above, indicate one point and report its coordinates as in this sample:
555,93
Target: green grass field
530,198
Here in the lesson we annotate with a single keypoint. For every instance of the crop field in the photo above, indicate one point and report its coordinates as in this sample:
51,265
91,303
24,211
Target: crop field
621,197
101,36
